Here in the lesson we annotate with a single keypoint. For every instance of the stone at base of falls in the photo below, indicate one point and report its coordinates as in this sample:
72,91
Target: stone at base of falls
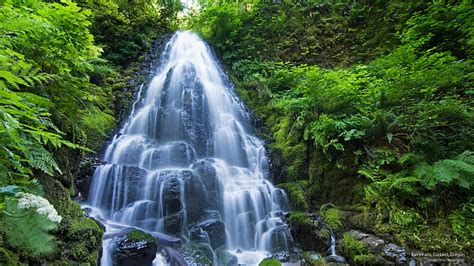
198,253
225,258
281,240
134,247
216,231
395,253
386,252
173,257
309,231
335,259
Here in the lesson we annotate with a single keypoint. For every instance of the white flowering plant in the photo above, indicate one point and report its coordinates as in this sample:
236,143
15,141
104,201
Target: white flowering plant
27,221
42,205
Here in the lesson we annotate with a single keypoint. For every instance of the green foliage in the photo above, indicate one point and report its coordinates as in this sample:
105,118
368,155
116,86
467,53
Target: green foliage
456,172
270,262
8,258
37,242
125,29
462,221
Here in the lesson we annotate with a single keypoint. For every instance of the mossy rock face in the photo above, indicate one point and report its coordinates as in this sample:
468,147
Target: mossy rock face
311,235
79,239
84,240
333,217
270,262
134,247
351,247
333,184
296,194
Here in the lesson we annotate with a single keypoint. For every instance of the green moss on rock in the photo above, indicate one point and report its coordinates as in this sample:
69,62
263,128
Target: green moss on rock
350,247
270,262
333,217
138,235
296,194
84,238
366,259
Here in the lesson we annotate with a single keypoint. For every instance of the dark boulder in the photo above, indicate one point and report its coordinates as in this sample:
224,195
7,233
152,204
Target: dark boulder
195,197
225,258
216,231
164,240
335,259
173,223
134,247
171,192
173,257
197,235
206,170
84,176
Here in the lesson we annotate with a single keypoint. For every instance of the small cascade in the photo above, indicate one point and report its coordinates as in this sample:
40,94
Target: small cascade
188,164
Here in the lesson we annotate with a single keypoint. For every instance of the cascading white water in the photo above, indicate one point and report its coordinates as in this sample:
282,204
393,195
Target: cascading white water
187,159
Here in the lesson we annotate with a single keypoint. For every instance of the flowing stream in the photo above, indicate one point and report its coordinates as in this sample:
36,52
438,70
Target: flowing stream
188,164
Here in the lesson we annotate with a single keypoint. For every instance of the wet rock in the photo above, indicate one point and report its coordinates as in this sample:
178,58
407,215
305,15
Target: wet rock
395,253
216,231
171,192
335,259
173,223
226,258
282,256
178,153
374,244
200,254
84,177
281,240
381,249
134,247
196,234
206,170
164,240
173,257
195,197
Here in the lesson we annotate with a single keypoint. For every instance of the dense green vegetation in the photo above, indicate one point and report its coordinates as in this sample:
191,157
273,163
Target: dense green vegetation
61,65
369,103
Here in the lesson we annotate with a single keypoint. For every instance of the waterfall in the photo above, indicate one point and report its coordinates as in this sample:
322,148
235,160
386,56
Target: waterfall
187,159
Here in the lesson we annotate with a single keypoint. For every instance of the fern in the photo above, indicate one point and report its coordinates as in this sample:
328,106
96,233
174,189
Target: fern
458,171
26,230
